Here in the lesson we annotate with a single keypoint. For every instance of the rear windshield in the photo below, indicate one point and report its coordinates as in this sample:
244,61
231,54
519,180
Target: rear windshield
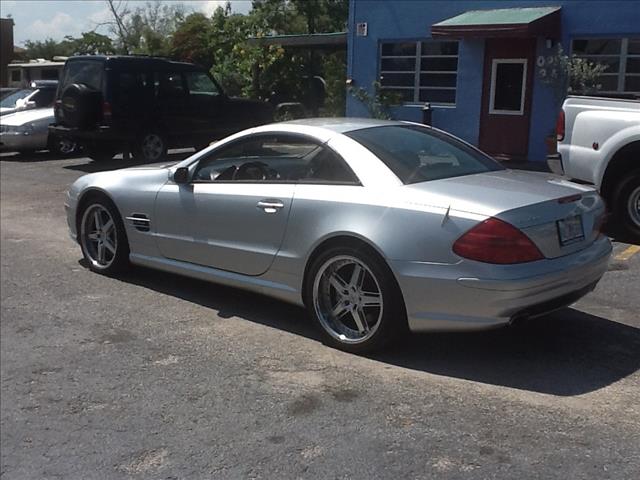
87,72
418,154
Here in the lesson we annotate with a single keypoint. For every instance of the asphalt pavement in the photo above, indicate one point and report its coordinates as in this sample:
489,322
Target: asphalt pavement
154,376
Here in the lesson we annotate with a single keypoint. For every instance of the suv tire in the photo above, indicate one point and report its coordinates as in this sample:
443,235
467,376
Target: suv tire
150,147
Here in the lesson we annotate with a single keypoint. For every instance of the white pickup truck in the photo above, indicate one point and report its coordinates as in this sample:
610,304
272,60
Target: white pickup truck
599,144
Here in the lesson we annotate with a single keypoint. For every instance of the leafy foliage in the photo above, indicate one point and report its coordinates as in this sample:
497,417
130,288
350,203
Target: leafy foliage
570,75
88,43
379,102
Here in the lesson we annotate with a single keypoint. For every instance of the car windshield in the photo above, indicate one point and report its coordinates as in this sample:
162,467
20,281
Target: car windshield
10,100
419,154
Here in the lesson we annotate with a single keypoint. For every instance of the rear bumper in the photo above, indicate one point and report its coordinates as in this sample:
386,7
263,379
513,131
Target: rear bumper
442,298
101,136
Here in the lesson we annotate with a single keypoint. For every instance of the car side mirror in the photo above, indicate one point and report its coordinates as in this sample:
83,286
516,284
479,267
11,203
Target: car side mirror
181,176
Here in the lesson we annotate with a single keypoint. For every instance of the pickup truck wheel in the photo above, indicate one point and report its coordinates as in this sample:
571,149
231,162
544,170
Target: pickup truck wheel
150,147
626,205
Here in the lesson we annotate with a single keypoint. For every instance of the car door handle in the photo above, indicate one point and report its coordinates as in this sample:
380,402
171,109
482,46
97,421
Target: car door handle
270,205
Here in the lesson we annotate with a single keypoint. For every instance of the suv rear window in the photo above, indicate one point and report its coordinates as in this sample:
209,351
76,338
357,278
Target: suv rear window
417,154
87,72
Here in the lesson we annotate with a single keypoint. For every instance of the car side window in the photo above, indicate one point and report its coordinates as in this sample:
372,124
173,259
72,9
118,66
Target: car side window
199,83
170,85
274,158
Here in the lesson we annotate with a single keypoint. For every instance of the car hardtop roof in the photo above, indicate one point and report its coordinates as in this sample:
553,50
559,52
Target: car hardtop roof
44,84
344,124
142,61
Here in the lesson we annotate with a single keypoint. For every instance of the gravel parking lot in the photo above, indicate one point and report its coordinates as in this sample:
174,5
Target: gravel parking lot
156,376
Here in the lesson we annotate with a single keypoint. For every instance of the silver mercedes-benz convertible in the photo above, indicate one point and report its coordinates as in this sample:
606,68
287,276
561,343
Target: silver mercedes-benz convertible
376,227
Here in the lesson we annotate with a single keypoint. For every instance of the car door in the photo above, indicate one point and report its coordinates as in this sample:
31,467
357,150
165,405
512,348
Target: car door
173,112
206,107
234,212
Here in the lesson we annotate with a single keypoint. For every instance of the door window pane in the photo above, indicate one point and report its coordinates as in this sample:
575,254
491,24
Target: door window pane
199,83
275,159
507,86
170,85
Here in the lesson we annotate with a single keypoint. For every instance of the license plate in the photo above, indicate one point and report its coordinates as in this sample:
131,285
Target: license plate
570,230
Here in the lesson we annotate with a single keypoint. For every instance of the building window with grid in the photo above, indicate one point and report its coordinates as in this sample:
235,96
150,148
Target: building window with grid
620,55
420,72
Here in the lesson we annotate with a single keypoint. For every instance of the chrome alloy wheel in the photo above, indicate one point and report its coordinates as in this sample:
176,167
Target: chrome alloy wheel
347,299
633,206
99,237
152,146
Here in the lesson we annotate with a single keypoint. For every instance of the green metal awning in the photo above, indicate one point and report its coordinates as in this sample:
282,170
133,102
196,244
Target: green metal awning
502,22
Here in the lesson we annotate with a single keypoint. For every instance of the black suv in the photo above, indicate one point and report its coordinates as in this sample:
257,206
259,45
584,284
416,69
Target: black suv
143,105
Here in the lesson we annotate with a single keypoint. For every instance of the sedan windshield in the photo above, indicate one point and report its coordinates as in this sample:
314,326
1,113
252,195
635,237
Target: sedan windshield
418,154
10,100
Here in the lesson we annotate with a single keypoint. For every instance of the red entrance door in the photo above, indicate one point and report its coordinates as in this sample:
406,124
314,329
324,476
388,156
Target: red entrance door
506,96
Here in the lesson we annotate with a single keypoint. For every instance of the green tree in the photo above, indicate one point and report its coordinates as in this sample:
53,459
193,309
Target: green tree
46,49
191,41
89,43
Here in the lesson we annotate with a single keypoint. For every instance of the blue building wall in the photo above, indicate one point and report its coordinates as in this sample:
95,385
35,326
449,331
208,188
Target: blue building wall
390,20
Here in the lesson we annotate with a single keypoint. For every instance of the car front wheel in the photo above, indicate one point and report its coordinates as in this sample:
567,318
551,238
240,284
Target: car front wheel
103,238
353,297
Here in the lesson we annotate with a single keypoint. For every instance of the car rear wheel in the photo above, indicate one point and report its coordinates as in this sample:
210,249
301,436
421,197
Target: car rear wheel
103,238
62,146
626,205
151,147
354,299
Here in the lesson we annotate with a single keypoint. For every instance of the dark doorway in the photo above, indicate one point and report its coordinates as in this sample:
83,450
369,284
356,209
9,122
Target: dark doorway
506,96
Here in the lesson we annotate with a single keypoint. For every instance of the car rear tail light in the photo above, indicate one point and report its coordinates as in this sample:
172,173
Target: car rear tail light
560,126
106,111
496,241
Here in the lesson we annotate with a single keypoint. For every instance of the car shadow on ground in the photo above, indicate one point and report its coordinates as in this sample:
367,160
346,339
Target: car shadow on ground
34,157
566,353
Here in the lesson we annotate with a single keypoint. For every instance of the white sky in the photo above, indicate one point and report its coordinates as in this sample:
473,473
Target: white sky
41,19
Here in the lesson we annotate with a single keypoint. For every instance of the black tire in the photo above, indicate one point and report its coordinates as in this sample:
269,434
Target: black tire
392,323
115,262
62,146
101,155
150,147
625,207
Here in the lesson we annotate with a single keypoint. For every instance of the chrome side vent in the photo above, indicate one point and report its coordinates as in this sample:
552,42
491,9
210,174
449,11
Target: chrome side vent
140,222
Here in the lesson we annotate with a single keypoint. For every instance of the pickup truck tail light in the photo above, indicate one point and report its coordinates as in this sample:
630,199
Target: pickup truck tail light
560,126
496,241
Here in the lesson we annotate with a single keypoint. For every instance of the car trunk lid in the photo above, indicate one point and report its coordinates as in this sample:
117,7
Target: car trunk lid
560,217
